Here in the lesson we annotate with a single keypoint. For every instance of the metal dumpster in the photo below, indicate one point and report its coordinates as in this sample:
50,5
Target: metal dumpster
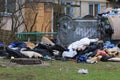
70,30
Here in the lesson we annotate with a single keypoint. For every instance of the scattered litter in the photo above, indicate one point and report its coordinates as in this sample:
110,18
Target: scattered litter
60,69
91,61
83,71
12,57
47,57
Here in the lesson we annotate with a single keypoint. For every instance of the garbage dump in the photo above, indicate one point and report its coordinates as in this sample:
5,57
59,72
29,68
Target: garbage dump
78,42
109,24
71,30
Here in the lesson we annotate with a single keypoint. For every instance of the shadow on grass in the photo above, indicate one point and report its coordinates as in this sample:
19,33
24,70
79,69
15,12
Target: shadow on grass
8,76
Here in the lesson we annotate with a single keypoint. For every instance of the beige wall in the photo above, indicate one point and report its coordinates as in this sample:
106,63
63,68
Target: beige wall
103,7
8,21
85,7
76,10
94,0
8,24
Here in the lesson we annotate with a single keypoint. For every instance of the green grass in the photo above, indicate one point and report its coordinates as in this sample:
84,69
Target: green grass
59,70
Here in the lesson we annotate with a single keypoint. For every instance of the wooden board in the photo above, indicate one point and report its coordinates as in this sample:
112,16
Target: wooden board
44,18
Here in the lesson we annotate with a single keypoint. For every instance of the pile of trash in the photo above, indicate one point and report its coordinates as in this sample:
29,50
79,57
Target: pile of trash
84,50
108,22
44,49
110,11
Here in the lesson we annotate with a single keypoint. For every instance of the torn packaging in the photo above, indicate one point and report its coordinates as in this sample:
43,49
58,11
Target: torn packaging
45,40
79,44
30,54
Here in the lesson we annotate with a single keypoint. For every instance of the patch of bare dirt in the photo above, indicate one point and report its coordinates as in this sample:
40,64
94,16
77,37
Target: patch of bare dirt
6,63
18,77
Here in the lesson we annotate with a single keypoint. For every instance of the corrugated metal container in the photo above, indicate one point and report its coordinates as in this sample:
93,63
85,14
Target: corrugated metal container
70,30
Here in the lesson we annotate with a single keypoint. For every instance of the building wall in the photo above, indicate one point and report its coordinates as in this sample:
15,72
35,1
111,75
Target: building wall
43,21
76,10
103,6
7,23
94,0
84,9
44,18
